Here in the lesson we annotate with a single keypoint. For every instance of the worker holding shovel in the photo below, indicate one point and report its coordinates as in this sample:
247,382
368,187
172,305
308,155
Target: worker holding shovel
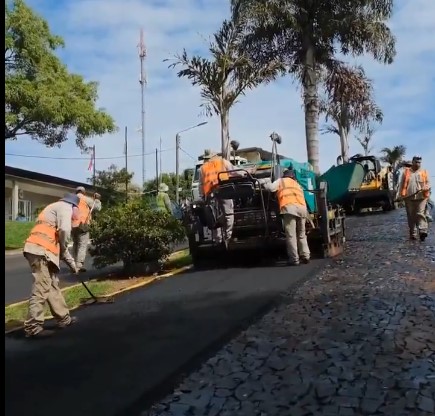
414,190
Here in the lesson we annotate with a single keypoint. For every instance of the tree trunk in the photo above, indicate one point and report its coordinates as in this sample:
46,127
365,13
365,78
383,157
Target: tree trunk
225,135
344,143
311,109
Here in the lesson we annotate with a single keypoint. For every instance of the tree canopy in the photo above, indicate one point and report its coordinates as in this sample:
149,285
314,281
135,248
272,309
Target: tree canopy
42,99
393,155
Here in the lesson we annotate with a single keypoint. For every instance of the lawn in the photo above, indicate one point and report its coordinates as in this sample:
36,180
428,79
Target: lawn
16,233
16,314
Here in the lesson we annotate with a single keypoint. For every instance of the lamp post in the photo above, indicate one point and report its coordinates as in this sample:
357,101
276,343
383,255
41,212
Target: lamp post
177,159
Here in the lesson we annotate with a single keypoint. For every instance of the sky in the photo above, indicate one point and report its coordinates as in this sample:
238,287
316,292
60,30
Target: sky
102,36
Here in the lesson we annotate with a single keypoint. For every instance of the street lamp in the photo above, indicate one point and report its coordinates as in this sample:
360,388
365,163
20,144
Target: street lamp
177,159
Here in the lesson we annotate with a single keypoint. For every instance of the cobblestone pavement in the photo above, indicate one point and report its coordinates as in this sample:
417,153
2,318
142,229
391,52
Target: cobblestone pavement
357,339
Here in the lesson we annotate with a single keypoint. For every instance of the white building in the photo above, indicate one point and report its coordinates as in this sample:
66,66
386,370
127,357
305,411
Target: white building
27,191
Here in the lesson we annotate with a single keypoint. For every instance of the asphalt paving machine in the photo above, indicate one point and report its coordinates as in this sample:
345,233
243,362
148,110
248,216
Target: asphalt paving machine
258,226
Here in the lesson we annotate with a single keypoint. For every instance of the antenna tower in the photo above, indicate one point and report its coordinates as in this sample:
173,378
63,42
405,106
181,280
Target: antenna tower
143,83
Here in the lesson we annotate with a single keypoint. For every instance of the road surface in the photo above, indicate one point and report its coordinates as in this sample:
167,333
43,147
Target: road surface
113,362
18,279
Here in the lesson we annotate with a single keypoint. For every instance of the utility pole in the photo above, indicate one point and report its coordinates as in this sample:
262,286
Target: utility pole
126,163
160,161
143,82
93,167
177,159
157,167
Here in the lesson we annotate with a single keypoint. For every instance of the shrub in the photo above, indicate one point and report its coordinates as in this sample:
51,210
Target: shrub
133,233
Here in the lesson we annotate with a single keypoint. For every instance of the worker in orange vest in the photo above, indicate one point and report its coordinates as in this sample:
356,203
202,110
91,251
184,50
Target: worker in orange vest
208,179
414,190
46,245
294,212
80,227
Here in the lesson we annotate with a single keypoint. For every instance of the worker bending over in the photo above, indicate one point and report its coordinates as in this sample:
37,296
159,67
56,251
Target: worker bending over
80,226
46,245
293,208
208,179
414,189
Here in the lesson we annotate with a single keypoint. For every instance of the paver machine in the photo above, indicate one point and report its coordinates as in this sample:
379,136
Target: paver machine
258,228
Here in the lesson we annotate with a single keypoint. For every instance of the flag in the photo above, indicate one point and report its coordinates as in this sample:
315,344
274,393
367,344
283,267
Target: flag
92,161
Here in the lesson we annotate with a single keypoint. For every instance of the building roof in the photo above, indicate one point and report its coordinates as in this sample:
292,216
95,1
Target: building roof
42,177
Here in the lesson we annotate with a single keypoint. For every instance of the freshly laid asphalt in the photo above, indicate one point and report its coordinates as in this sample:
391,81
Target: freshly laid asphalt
118,356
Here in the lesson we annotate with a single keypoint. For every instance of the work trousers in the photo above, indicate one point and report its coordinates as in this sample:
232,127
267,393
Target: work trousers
45,288
295,237
226,206
80,246
415,212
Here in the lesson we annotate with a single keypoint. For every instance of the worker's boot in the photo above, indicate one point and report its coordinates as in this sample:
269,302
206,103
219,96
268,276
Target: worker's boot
44,333
63,325
292,263
305,260
423,235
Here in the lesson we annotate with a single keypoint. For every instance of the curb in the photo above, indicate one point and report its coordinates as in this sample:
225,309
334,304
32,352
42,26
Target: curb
117,292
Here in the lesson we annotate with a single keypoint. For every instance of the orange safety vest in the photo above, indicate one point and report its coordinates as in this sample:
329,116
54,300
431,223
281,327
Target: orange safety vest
84,216
406,178
209,174
45,235
290,193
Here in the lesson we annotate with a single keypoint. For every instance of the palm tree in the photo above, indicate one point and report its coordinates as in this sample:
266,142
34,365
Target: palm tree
348,104
393,155
306,35
227,75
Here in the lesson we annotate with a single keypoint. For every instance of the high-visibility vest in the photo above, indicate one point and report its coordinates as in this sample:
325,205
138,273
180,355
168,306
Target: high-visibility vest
290,193
209,174
84,215
160,202
407,176
45,235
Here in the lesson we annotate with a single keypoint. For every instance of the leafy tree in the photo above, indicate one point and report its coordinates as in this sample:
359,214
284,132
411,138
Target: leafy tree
305,35
42,99
111,184
170,179
365,140
227,75
348,103
393,155
133,233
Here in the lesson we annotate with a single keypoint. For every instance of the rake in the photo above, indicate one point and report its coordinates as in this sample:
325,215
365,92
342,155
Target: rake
94,299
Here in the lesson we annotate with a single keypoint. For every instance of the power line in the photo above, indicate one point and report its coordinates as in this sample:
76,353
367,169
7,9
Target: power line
187,154
83,158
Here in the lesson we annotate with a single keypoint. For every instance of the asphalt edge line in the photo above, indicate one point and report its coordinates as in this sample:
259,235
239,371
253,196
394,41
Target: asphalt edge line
115,293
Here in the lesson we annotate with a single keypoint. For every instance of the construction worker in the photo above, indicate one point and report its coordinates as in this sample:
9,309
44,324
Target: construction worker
46,245
208,179
368,174
293,209
80,226
162,199
414,190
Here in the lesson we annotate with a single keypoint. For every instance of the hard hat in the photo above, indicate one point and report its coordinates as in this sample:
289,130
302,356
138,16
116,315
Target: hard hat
80,189
71,199
163,187
208,154
289,173
416,159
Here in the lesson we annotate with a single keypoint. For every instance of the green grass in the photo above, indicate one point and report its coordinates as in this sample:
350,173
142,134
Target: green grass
16,233
179,259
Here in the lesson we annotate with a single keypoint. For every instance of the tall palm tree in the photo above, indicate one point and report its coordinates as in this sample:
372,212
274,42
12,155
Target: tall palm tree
393,155
307,34
348,103
227,75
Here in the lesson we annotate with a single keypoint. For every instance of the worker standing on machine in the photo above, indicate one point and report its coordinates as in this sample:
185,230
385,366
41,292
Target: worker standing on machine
208,179
414,189
293,208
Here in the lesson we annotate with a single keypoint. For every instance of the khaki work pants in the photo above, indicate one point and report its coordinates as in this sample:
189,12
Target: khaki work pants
296,238
45,288
415,212
226,206
80,246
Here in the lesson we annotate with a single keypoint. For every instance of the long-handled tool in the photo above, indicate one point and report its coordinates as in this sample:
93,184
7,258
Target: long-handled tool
94,299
